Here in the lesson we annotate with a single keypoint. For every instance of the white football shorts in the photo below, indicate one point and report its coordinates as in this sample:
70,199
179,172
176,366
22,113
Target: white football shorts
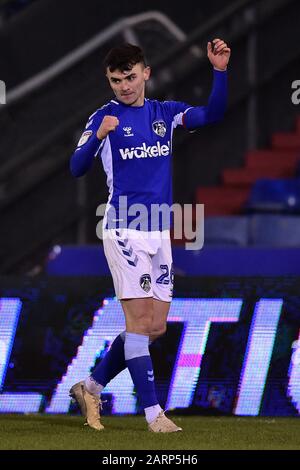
140,263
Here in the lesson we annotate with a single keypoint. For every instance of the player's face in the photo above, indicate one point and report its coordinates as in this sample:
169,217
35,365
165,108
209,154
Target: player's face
129,86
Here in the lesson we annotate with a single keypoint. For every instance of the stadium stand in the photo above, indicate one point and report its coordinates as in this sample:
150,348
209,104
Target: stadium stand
10,8
262,184
275,195
36,188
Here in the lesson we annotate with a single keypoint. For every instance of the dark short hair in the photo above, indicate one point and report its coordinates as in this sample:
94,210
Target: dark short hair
124,57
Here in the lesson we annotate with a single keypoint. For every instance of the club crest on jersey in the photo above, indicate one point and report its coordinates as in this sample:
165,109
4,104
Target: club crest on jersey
127,131
145,282
84,138
159,128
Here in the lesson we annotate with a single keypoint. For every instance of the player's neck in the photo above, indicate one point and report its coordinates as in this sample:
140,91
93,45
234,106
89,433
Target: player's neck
139,102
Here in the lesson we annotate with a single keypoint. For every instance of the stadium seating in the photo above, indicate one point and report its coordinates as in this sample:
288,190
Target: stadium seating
221,200
275,195
262,183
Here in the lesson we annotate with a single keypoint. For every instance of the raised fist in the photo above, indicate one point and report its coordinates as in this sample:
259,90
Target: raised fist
108,124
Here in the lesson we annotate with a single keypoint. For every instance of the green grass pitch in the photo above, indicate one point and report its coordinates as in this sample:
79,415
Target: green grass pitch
63,432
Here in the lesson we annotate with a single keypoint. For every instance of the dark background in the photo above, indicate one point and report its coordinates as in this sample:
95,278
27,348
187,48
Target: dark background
41,204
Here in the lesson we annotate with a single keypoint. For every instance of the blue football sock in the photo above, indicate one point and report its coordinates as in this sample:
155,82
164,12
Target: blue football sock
112,364
139,363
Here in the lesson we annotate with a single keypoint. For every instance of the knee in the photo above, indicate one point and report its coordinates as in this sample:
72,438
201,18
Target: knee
157,331
141,324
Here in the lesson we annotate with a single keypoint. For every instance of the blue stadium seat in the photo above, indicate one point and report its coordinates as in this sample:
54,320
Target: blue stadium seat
275,195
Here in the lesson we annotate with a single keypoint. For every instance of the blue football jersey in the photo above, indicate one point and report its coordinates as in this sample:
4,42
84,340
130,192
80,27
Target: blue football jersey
137,158
137,155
